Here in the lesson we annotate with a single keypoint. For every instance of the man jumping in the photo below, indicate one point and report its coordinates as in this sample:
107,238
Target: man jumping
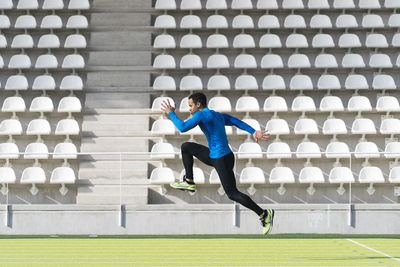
219,155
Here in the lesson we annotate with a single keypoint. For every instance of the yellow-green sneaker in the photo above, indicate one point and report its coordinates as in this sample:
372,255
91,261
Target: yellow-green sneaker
267,221
184,186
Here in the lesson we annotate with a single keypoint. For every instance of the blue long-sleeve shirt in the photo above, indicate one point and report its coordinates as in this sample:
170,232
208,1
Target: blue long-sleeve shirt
213,126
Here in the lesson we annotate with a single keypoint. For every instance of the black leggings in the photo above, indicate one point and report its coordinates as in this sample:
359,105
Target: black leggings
224,168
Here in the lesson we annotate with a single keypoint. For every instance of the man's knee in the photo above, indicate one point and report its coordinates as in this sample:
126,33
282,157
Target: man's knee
185,147
232,195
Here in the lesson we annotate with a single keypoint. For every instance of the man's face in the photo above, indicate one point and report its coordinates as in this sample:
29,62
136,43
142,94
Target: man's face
193,108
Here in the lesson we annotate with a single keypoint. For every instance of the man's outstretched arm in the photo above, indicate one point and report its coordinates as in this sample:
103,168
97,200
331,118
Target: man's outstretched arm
183,126
258,135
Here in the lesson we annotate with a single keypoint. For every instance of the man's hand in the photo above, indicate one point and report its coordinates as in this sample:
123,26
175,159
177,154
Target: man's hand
261,135
166,106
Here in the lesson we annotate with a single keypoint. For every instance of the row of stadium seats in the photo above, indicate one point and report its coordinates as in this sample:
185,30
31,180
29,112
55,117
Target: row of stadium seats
36,175
303,126
43,82
68,104
274,4
284,175
272,41
39,127
319,21
274,61
47,61
47,41
281,150
37,150
47,5
50,22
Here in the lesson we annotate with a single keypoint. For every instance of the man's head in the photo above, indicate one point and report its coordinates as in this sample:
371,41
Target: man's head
197,101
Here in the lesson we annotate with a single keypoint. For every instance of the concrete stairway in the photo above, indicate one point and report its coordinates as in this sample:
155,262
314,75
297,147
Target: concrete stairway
117,88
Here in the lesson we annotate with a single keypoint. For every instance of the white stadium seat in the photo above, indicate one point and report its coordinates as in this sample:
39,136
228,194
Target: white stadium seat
392,4
369,4
25,22
308,150
19,62
217,61
320,21
163,127
7,176
273,82
349,40
303,104
65,151
277,127
28,4
278,150
363,126
245,61
22,41
271,61
184,105
372,21
46,62
243,41
294,22
36,151
371,175
67,127
4,22
252,122
298,61
71,82
252,175
394,21
267,4
3,42
394,175
162,151
164,22
77,22
16,82
216,5
268,22
79,4
49,41
334,126
337,150
6,4
73,61
331,104
217,41
301,82
270,40
292,4
191,61
318,4
387,104
380,61
359,103
9,151
190,5
218,82
191,41
162,176
75,41
33,175
242,22
328,82
164,83
38,127
351,60
311,175
190,22
376,40
346,21
322,40
10,127
384,82
366,150
247,104
249,150
53,4
62,175
164,62
246,82
326,61
356,82
390,126
220,104
13,104
51,22
44,82
216,22
241,4
341,175
296,40
198,175
156,106
41,104
165,5
343,4
281,175
191,83
275,104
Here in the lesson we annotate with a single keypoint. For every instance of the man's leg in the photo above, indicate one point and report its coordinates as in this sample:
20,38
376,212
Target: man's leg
224,167
190,149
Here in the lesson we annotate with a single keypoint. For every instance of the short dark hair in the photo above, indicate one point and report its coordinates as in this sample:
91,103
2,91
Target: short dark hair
199,98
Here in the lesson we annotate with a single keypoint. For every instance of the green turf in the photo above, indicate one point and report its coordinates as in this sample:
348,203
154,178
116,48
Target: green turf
197,252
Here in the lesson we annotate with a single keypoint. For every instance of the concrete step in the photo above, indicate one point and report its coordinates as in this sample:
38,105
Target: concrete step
127,5
120,124
120,40
117,100
118,79
103,169
119,58
108,181
114,144
119,19
111,194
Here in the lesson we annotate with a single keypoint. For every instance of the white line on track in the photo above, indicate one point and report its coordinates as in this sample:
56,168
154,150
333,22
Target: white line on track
374,250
